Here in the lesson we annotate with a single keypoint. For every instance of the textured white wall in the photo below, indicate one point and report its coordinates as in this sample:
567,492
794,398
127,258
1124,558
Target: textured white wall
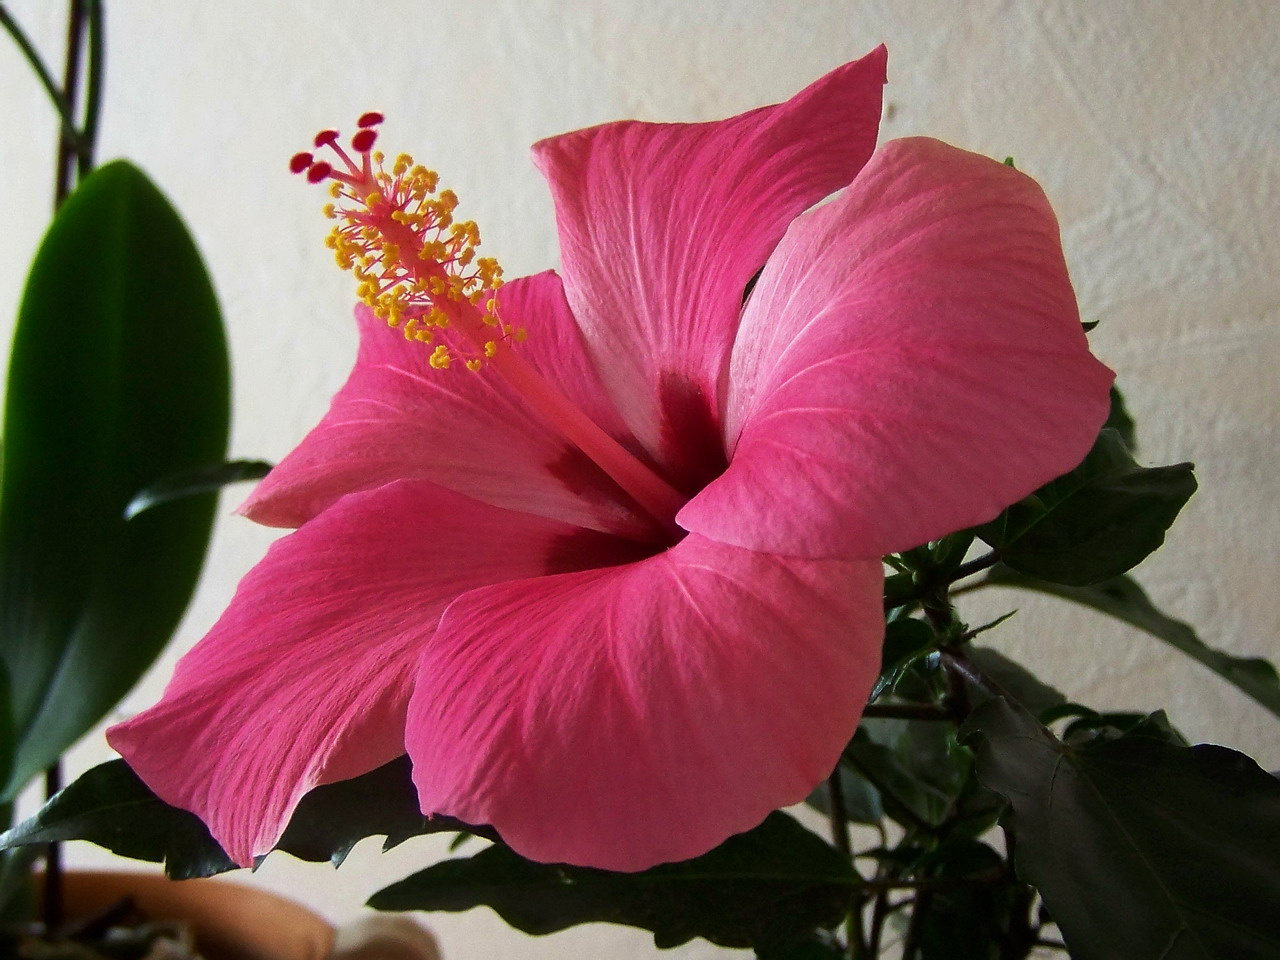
1152,124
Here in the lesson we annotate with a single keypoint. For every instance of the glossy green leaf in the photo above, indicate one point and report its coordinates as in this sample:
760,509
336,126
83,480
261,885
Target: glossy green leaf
110,806
1123,599
1141,849
1094,523
765,888
205,480
118,379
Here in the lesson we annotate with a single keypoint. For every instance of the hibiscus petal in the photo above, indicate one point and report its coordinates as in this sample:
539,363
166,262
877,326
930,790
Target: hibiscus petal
662,226
910,363
625,717
396,418
306,677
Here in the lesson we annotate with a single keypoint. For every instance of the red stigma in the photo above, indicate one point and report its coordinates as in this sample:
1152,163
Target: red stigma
326,138
300,162
363,141
370,119
318,171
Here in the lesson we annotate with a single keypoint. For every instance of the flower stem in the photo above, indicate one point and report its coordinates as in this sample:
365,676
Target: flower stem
71,148
42,73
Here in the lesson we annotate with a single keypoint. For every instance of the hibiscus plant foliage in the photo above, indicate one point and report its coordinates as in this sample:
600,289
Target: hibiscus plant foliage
598,570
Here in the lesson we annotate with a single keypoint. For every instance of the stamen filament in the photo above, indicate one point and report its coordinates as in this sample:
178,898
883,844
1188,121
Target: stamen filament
655,495
417,270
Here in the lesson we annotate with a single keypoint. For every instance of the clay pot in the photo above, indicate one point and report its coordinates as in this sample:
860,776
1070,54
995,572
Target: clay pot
230,921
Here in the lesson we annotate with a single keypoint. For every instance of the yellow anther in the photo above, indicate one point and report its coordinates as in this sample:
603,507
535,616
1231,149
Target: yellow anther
411,281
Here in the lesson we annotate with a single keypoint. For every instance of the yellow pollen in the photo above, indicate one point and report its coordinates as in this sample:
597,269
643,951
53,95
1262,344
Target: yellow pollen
416,267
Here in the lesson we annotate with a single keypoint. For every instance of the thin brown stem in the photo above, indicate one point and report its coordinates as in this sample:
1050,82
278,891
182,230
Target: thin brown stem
70,148
906,711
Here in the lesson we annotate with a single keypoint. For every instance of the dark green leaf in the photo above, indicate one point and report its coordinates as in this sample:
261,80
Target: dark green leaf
808,949
111,807
861,799
1120,421
205,480
916,766
6,730
1123,599
1092,727
904,640
1140,849
332,819
1090,325
1095,522
108,805
1016,680
765,888
971,911
118,378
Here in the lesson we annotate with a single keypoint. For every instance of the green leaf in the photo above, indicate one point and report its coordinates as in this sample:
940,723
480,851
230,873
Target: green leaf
110,806
765,888
118,378
1094,523
808,949
970,914
205,480
916,765
861,799
1123,599
1140,849
332,819
905,639
1016,680
1120,421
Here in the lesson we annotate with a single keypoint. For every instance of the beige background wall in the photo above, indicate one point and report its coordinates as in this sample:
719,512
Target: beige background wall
1153,126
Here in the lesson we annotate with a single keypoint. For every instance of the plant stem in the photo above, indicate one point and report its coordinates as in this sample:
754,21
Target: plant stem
42,74
93,89
52,908
842,842
906,711
975,566
919,912
839,814
70,148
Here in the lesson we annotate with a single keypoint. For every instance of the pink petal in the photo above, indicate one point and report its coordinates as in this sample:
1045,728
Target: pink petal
662,225
910,363
396,418
306,678
625,717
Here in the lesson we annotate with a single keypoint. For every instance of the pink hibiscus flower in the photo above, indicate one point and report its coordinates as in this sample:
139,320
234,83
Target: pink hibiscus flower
618,592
